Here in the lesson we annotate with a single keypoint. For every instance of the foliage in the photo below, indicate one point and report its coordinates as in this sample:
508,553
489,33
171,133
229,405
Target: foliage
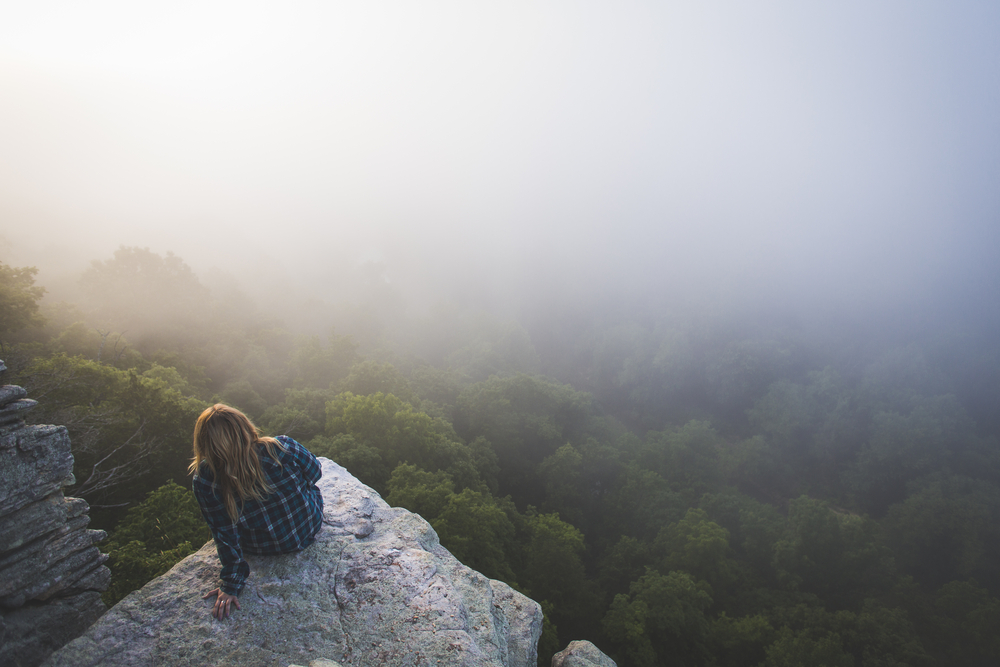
548,643
478,533
130,431
641,501
561,473
553,565
151,297
380,431
948,529
153,536
835,555
370,377
319,367
967,618
19,297
302,415
622,564
687,457
661,619
419,491
740,642
708,492
525,419
699,547
807,647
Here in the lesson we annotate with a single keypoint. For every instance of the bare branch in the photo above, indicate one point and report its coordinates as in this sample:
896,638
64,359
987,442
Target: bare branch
294,425
118,355
103,478
104,338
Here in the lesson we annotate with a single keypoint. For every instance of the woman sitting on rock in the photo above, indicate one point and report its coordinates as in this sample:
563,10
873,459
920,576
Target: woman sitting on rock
257,494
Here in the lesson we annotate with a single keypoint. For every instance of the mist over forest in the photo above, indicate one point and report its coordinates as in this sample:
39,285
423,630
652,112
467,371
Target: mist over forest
682,319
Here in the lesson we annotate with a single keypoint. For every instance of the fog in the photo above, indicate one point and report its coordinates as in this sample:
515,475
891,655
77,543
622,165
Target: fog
517,155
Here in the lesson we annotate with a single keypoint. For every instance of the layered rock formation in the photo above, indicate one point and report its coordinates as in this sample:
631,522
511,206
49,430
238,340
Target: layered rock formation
51,572
375,588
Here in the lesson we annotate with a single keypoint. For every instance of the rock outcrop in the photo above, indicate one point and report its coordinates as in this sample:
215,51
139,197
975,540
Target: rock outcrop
376,587
581,654
51,572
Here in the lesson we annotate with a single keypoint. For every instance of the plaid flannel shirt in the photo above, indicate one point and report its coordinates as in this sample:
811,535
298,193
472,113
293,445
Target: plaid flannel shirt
286,520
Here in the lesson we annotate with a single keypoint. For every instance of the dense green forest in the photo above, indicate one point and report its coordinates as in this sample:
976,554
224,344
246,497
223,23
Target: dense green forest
678,485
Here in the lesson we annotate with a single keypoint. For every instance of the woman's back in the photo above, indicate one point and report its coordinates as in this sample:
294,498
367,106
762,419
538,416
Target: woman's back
287,518
255,493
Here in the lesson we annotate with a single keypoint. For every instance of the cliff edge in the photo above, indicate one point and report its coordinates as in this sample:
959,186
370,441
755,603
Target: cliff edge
51,570
376,587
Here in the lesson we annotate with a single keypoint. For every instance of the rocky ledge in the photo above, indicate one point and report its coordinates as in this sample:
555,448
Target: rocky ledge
376,588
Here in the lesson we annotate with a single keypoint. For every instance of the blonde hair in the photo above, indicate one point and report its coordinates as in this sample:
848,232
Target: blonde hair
226,440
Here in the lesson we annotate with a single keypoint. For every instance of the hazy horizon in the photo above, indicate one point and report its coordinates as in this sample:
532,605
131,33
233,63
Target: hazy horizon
518,154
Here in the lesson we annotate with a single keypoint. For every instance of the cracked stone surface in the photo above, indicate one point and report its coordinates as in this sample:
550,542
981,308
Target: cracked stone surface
375,588
35,462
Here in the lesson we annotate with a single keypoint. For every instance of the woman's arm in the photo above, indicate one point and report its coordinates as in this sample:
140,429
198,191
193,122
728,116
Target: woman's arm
235,569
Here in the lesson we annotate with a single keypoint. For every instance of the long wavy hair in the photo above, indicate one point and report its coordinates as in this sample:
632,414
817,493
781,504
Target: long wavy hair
226,440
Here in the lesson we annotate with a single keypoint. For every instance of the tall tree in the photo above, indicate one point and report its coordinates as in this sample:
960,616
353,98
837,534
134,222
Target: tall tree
156,300
19,297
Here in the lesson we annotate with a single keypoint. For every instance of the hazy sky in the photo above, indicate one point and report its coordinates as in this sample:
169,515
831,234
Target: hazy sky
849,149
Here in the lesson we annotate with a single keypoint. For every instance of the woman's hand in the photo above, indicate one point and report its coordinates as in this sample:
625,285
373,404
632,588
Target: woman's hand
223,603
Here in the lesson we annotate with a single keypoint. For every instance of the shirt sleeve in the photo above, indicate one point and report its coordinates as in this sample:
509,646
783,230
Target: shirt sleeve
304,459
235,569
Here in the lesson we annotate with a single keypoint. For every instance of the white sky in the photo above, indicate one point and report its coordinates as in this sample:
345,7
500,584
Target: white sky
839,145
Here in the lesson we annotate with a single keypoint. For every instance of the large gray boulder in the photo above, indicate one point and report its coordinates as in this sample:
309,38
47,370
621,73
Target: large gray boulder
376,588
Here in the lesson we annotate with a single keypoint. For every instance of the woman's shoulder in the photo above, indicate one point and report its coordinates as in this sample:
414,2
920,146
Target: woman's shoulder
203,479
289,444
285,446
203,472
292,451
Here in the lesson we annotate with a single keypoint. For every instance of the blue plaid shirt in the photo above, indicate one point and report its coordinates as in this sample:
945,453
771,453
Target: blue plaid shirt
287,520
